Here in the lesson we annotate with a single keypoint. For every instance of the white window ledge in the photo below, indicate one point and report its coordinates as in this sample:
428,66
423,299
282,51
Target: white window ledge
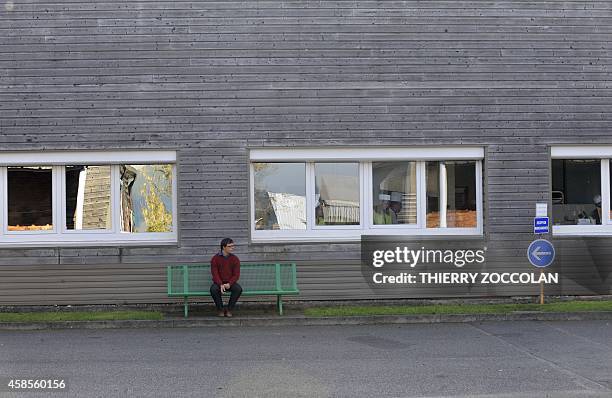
582,230
49,158
364,154
355,236
581,151
98,241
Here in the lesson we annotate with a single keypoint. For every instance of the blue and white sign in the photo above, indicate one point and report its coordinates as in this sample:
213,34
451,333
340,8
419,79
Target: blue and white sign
541,253
540,225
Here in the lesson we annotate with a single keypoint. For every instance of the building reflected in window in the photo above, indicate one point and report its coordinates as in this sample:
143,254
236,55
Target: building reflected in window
88,197
337,193
394,193
146,198
280,196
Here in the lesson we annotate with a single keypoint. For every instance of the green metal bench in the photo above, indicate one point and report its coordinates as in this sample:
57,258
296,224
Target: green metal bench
256,279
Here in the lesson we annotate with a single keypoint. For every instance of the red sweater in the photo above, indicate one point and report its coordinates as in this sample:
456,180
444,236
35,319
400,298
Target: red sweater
225,269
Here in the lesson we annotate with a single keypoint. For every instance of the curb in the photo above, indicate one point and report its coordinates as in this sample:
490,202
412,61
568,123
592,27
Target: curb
304,321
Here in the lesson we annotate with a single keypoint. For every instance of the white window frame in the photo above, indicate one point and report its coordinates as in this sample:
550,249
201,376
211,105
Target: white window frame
365,157
60,236
604,154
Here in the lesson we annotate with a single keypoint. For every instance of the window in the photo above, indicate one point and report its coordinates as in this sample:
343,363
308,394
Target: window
341,194
88,199
337,193
451,194
581,190
146,198
394,193
576,192
30,198
280,196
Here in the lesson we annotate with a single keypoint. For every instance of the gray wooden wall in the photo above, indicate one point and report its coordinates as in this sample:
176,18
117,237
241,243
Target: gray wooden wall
211,79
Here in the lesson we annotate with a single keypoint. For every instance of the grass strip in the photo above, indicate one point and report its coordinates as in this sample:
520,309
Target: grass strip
79,316
564,306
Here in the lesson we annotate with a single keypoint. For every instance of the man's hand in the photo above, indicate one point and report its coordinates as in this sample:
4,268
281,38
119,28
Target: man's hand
227,286
223,288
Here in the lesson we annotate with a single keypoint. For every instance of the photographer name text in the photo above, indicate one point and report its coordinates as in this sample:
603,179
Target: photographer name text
451,278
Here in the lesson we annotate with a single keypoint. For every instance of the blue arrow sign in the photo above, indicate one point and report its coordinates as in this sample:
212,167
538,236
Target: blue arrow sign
541,253
540,225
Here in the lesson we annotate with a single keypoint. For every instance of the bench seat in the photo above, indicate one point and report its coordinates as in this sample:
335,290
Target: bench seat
270,279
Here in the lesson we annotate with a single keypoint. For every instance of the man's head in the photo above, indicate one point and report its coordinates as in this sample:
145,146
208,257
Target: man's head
384,199
597,200
395,206
227,246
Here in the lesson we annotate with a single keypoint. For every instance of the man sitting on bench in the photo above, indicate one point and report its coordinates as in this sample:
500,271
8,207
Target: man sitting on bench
225,269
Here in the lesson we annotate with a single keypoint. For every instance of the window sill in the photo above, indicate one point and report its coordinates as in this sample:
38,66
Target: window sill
582,231
355,236
8,243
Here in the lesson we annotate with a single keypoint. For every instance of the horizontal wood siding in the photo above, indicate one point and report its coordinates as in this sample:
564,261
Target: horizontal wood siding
211,79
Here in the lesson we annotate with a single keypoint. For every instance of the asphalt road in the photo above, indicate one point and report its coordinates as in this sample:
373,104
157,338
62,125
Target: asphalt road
491,359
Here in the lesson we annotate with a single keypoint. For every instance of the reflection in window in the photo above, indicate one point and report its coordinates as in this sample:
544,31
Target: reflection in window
337,193
433,194
146,198
88,197
451,186
30,198
394,194
576,192
280,195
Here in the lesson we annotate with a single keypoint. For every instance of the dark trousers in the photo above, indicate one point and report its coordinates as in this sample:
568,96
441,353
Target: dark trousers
235,292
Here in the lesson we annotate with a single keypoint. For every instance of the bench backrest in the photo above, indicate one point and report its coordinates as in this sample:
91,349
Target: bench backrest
260,278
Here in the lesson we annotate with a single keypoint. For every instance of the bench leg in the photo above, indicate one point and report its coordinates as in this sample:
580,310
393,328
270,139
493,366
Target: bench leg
186,307
279,304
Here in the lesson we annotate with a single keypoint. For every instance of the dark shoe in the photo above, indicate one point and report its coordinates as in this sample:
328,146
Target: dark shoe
228,314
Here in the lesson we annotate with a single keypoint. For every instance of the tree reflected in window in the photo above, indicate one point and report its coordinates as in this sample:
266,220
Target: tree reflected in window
146,198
